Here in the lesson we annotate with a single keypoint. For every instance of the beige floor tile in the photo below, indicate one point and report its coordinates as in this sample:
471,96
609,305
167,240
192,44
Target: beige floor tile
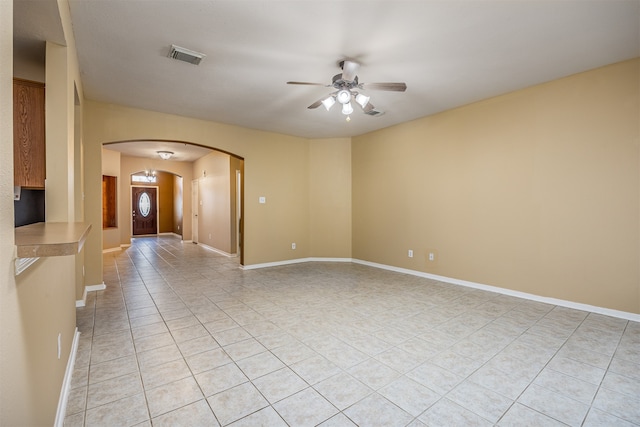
77,401
266,417
466,353
306,407
342,390
207,360
618,404
554,405
315,369
435,377
158,356
112,368
165,373
338,420
598,418
220,379
279,384
259,365
169,397
409,395
152,342
197,345
196,414
447,413
373,373
571,387
519,415
113,389
236,403
375,411
485,403
189,333
243,349
129,411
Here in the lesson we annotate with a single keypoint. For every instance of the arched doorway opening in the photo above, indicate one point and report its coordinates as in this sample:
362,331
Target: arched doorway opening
215,213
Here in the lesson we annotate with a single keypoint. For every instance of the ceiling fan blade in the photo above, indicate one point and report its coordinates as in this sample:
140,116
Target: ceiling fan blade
316,104
308,83
349,70
396,87
368,107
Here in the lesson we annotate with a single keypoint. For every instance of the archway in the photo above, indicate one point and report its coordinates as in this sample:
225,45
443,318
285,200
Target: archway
192,163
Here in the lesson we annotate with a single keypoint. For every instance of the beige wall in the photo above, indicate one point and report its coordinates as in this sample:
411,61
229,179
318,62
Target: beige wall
46,296
40,303
165,202
535,191
111,167
276,166
330,197
215,224
178,208
12,369
235,189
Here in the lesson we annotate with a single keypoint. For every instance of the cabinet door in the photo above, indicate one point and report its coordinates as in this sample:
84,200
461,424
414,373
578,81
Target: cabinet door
28,134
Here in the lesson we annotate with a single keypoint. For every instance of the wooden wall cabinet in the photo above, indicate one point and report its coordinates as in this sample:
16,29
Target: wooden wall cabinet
29,162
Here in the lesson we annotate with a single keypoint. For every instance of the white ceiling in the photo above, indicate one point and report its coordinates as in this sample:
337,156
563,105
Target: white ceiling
449,53
182,152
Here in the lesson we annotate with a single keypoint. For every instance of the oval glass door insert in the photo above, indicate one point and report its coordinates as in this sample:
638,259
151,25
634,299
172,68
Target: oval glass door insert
144,204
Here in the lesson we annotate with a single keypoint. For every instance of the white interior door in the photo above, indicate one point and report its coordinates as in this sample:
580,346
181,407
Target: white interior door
195,203
238,211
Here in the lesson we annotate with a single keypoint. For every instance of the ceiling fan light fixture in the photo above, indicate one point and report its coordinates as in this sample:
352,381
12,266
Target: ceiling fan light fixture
328,102
344,96
347,109
165,155
363,100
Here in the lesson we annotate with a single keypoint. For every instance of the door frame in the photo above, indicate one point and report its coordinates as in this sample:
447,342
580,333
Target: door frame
131,187
195,209
240,212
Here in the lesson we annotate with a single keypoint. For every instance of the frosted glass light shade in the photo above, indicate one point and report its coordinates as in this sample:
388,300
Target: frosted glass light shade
328,102
344,96
347,109
363,100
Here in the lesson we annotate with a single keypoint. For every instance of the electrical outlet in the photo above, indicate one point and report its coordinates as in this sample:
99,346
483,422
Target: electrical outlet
293,246
410,253
432,256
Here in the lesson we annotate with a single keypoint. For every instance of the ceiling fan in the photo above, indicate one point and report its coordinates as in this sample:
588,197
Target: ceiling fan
347,86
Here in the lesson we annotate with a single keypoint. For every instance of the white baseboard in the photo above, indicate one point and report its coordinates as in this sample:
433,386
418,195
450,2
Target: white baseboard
554,301
66,382
218,251
294,261
109,250
90,288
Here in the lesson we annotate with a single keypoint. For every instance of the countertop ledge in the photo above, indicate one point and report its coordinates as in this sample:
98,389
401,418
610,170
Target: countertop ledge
47,239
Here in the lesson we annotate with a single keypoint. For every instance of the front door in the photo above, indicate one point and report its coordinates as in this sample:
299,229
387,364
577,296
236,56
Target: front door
144,203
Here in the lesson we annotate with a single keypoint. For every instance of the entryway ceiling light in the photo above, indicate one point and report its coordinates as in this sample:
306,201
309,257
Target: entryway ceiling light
165,155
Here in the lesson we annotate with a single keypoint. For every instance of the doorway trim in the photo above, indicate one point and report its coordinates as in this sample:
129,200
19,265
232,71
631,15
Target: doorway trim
195,208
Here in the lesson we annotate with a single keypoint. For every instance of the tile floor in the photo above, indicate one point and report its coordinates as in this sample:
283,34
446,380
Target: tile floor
182,336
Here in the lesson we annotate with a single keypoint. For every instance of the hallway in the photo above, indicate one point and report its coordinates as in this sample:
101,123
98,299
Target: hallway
183,336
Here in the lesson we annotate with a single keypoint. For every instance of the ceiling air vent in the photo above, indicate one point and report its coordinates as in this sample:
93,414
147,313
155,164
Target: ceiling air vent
373,112
186,55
